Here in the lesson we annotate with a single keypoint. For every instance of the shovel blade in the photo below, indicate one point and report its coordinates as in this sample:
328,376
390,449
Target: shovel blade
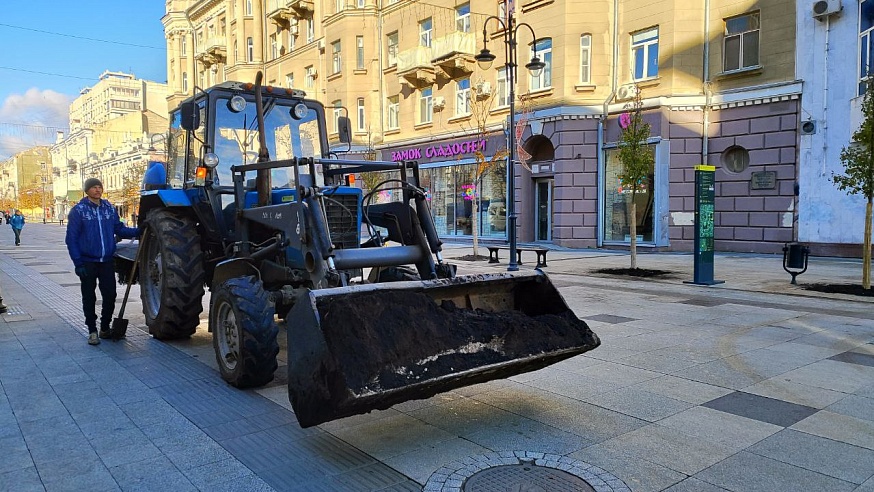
118,329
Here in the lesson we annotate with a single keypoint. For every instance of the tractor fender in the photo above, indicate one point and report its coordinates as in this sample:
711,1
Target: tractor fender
150,199
233,268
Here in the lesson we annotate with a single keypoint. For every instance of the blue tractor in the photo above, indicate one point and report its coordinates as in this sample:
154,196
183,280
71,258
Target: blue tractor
254,206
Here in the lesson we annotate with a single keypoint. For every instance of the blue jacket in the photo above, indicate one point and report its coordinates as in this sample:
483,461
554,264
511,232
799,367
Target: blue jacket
91,231
17,221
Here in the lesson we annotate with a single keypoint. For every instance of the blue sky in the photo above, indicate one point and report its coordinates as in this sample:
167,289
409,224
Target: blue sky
39,38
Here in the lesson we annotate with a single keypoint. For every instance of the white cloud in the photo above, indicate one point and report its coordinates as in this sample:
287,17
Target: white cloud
26,119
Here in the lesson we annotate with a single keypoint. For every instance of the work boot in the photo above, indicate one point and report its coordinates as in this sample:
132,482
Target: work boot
105,333
92,338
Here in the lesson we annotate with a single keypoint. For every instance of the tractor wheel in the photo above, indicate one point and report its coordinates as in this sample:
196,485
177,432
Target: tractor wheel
171,276
243,332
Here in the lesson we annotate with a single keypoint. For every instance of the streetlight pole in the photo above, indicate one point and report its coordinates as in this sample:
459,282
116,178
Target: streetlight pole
485,59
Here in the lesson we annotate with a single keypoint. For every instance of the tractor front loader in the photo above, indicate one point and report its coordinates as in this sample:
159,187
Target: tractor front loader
257,208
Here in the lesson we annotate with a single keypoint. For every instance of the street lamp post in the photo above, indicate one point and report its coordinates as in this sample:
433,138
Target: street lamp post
484,60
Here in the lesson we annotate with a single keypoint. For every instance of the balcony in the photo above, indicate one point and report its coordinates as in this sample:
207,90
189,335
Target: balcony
213,51
282,11
415,67
453,54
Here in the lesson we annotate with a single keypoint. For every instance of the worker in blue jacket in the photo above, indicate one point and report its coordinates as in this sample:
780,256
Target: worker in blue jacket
92,227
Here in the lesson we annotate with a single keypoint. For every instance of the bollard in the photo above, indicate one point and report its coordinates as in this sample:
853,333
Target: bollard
795,259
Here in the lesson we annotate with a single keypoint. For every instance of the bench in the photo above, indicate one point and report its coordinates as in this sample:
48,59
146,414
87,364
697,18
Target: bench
541,254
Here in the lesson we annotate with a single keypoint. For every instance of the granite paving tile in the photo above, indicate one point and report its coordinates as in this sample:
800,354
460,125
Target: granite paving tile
854,406
761,408
129,453
639,474
206,476
391,436
692,484
638,403
682,389
825,456
854,357
529,435
366,478
833,375
420,463
76,475
249,483
716,426
25,479
749,472
593,423
839,427
16,456
667,447
657,363
149,475
780,388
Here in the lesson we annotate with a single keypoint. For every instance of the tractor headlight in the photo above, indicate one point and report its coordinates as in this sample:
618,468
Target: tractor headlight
210,160
300,111
237,104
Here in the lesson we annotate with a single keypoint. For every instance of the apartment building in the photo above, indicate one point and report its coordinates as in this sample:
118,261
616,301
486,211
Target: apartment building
112,126
717,79
26,183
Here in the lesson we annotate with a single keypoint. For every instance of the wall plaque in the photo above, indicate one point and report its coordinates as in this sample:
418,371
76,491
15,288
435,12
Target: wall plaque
763,180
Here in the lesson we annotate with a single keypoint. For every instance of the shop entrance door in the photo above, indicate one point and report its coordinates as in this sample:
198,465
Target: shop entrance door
543,210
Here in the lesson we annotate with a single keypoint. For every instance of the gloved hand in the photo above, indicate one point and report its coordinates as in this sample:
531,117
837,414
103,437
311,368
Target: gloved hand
81,271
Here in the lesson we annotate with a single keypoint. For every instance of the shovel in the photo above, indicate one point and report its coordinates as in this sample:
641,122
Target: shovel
119,324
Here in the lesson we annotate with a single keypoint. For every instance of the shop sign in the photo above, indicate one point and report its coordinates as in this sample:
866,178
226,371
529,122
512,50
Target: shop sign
445,150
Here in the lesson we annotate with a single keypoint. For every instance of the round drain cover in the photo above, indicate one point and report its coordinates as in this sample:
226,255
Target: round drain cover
525,478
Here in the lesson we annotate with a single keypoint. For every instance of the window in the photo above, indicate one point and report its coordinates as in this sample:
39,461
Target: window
336,60
274,47
359,52
394,112
309,77
392,41
338,5
645,53
337,112
289,81
311,30
462,97
184,47
236,51
250,50
361,123
425,33
248,7
866,43
291,40
617,203
503,89
543,50
502,10
426,105
741,49
586,59
360,4
185,82
462,18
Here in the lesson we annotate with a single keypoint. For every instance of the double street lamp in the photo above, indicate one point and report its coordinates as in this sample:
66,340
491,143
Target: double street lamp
535,66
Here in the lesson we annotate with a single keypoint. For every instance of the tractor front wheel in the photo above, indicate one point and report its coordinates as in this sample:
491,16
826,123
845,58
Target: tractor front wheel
171,275
244,334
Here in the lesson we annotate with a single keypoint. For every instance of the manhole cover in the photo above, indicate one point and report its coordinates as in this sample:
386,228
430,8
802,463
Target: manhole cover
525,477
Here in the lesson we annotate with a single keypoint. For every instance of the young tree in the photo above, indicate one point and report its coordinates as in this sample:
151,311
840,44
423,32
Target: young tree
637,160
131,183
480,106
858,161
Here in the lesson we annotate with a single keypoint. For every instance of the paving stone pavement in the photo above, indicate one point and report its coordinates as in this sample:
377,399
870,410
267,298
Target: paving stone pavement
749,385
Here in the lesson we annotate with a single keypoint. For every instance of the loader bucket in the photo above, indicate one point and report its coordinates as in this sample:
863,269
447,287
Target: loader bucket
367,347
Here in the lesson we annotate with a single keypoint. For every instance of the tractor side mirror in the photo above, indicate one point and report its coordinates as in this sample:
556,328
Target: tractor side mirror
190,116
344,129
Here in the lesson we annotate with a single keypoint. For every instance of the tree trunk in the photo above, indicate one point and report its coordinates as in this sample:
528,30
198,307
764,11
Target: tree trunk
866,248
474,227
633,233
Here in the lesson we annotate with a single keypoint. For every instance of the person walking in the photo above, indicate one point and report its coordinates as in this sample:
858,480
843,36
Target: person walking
92,226
17,223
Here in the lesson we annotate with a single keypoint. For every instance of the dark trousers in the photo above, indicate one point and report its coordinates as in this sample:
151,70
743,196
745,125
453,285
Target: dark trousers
17,236
102,274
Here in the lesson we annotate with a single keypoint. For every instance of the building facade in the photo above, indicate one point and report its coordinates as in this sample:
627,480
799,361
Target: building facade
113,126
26,183
717,80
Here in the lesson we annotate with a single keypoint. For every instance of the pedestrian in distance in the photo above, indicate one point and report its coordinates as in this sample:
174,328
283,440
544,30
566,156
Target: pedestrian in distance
17,223
92,227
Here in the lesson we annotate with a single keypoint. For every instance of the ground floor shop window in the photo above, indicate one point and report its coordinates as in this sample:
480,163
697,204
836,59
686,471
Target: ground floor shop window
617,204
455,196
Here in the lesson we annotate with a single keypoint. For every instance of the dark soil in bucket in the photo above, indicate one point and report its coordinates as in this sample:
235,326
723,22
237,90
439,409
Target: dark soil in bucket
634,272
386,340
851,289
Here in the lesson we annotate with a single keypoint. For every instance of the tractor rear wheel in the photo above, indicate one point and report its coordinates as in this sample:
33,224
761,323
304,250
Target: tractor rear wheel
171,275
244,334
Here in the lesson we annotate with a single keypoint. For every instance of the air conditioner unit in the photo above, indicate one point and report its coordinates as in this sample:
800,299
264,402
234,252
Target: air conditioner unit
322,44
294,30
627,91
439,103
825,8
483,89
